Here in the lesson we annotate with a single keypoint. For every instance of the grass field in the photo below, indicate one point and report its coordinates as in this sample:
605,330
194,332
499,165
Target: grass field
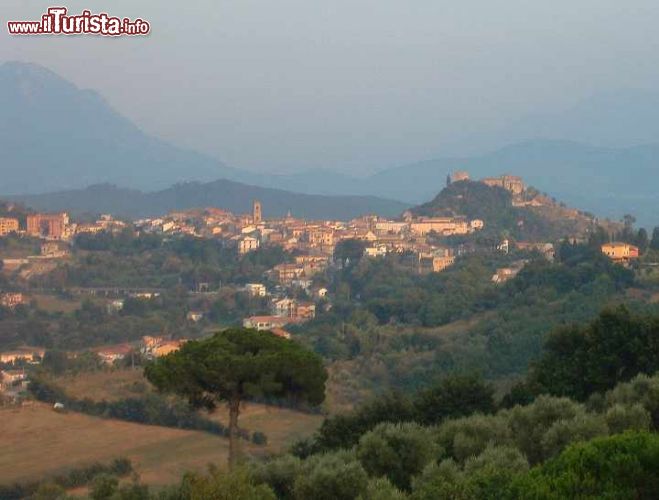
280,425
37,442
104,385
52,303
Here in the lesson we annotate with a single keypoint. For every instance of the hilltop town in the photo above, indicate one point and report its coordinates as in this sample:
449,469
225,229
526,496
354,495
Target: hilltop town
290,291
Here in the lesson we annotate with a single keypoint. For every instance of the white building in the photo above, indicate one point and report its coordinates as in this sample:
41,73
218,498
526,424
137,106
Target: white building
256,289
247,244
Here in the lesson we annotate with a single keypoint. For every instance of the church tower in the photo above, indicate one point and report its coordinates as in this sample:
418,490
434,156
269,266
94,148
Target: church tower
256,212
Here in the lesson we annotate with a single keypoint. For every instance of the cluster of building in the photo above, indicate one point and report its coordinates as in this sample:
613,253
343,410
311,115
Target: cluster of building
154,347
13,376
11,300
13,384
26,354
150,347
55,230
56,226
315,241
285,310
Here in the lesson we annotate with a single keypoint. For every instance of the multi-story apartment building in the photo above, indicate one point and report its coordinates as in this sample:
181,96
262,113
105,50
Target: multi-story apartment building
312,264
285,273
247,243
8,225
390,226
50,226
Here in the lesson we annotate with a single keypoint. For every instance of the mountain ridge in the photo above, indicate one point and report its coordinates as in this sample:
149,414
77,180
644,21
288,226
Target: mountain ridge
44,148
223,193
54,135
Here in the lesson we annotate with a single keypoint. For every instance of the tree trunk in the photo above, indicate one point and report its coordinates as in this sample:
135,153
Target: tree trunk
234,444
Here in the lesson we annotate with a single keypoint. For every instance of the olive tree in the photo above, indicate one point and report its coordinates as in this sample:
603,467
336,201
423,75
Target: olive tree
331,476
397,451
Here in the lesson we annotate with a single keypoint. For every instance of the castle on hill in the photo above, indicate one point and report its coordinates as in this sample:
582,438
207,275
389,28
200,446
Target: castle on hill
512,183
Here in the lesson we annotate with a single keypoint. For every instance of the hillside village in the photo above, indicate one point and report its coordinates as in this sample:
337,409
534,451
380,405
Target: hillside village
290,289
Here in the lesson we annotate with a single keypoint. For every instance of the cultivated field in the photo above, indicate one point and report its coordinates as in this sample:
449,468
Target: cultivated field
280,425
36,442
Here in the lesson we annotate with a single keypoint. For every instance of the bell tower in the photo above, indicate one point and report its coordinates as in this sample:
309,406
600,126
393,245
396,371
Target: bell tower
256,212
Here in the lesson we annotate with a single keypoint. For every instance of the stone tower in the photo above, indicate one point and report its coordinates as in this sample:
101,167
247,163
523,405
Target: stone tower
256,212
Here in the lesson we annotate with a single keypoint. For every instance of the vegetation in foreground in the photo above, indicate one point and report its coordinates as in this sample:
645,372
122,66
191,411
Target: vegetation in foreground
453,441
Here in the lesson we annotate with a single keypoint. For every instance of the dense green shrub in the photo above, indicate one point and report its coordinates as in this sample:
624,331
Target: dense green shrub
529,424
279,473
445,480
620,418
75,478
397,451
488,474
581,360
331,476
622,466
643,390
453,397
381,489
469,436
344,431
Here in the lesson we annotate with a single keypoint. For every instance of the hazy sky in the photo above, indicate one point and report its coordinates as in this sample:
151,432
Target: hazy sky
346,84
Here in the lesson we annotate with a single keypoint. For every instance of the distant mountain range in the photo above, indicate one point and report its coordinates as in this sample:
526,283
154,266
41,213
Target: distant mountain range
610,182
229,195
57,137
614,118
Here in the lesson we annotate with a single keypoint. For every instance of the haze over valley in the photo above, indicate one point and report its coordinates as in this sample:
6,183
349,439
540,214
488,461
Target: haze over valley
57,137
